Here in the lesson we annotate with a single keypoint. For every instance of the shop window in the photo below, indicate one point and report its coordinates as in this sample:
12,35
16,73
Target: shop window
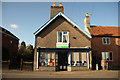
47,59
79,59
108,56
83,59
63,37
106,40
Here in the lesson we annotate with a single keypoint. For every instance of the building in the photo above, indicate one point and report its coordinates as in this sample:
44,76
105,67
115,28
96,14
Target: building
105,44
61,45
9,45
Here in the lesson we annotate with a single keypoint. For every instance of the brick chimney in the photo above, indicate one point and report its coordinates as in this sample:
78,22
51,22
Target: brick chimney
87,22
55,9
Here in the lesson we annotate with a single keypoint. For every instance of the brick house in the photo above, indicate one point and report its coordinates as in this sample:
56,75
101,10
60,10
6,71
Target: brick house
105,43
9,44
60,44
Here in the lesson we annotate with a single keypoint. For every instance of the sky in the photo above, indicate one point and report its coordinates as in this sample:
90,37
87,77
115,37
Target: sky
24,18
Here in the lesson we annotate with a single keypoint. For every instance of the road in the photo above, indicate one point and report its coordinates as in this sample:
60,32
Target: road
61,74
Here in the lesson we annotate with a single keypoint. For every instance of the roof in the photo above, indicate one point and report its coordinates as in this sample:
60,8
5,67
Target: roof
3,30
104,31
61,14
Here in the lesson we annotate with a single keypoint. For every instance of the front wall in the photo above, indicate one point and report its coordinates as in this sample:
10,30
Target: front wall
98,47
12,48
78,68
48,37
47,68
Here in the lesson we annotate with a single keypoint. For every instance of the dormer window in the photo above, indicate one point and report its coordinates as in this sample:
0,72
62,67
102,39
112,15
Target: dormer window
106,40
62,37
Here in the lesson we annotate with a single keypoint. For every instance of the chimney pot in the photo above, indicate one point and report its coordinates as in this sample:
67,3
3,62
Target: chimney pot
53,3
60,4
86,14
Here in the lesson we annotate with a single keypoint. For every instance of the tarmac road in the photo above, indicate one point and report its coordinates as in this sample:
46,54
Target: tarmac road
60,74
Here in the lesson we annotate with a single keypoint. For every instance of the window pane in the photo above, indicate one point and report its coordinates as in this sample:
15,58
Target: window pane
83,59
110,55
47,59
75,59
53,55
42,59
59,36
104,40
65,38
64,32
46,56
42,55
108,41
107,56
103,56
42,62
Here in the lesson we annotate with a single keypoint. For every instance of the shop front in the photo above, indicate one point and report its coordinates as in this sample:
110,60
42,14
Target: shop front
63,59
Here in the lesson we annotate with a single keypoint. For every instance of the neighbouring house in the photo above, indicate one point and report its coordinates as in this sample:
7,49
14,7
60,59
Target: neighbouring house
105,43
9,45
61,45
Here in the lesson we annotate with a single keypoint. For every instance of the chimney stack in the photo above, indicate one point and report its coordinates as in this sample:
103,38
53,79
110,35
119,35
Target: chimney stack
55,9
87,22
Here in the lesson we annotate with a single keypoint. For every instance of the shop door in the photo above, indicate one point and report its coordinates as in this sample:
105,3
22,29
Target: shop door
62,61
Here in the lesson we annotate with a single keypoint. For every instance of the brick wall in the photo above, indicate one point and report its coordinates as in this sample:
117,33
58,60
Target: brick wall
98,47
78,68
11,47
47,68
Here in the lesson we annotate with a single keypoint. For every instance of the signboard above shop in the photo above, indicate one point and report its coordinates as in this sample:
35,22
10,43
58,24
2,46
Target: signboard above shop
62,45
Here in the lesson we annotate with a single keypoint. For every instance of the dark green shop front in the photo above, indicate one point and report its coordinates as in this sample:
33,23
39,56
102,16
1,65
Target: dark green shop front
62,58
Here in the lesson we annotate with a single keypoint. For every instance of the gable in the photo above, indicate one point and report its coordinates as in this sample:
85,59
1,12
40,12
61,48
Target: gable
6,32
65,17
47,38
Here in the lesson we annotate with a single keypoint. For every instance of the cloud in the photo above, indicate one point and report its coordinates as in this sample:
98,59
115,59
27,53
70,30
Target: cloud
13,26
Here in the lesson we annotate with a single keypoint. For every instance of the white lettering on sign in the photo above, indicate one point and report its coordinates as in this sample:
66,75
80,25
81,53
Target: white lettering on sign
62,44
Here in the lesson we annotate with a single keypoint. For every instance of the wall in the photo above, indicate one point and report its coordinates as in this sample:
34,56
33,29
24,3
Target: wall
47,38
98,47
12,48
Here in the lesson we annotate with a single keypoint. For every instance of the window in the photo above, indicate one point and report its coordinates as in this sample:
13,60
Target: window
106,40
108,56
59,36
11,41
47,59
79,59
63,37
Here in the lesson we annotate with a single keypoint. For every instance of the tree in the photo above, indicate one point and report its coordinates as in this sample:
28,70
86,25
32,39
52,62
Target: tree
22,49
29,53
25,53
22,52
30,49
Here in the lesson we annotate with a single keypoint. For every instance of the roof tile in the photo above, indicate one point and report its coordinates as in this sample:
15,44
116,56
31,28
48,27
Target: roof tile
104,31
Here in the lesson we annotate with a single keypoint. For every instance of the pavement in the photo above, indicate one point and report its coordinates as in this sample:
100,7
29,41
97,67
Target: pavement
60,74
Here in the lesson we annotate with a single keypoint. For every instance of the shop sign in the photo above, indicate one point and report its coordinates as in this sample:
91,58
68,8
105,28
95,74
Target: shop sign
62,45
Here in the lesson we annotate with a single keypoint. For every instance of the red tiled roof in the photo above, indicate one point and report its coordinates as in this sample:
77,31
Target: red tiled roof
104,31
